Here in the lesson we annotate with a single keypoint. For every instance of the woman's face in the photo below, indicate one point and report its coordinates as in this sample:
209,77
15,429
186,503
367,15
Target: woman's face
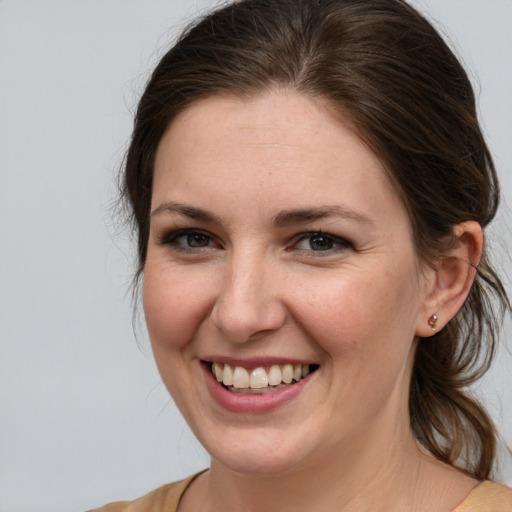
276,239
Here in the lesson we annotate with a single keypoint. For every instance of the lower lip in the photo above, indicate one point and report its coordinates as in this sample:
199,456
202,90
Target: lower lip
239,402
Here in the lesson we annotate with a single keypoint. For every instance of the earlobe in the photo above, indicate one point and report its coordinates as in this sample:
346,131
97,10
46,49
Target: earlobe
432,321
452,279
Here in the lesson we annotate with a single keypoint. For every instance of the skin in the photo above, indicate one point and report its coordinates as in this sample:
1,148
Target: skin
256,288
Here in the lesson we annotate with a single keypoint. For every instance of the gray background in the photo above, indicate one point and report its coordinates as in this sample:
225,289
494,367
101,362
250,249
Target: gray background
84,418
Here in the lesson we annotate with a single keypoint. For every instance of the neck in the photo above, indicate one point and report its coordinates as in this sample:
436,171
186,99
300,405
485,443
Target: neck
363,476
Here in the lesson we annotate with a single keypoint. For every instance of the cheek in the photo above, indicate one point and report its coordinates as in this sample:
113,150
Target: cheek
365,325
174,306
364,317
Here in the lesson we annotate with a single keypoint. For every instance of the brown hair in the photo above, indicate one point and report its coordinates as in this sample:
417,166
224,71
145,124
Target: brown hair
386,68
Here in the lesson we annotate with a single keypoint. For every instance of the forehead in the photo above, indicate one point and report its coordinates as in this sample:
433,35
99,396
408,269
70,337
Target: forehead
281,144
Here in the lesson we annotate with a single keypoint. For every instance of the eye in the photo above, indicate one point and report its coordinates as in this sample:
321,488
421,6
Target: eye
197,240
320,242
188,239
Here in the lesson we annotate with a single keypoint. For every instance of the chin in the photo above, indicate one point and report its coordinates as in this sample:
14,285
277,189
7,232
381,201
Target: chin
260,453
256,464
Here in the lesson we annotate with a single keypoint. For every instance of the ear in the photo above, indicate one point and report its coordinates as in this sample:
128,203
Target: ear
449,284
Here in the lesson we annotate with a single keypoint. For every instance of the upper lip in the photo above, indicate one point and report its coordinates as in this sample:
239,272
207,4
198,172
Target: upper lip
255,362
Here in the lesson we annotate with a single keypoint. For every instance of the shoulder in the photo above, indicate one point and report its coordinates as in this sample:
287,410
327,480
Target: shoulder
163,499
487,497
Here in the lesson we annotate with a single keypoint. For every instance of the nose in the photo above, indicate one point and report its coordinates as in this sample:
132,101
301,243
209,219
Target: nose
248,305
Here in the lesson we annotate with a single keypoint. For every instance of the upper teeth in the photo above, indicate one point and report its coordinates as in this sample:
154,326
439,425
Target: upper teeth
259,378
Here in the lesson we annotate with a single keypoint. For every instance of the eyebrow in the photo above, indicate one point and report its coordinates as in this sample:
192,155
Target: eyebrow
284,218
192,212
304,215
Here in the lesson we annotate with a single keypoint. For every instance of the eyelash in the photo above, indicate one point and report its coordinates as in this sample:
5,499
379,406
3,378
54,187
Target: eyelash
336,244
173,239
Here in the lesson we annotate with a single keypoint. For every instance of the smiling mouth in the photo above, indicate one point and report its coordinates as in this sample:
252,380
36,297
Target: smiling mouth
260,380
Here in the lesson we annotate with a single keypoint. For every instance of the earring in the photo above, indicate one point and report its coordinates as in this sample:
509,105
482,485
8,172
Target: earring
432,321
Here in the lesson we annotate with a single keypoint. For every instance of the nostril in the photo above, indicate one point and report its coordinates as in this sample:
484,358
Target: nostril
248,322
248,305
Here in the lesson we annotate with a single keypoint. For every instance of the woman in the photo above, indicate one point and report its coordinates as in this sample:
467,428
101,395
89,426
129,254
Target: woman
310,186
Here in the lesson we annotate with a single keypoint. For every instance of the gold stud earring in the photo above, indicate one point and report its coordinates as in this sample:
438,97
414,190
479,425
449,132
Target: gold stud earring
432,321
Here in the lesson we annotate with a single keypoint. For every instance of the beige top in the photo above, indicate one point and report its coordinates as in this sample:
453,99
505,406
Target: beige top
163,499
486,497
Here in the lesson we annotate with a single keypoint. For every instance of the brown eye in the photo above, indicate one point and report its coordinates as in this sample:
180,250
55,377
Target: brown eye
188,239
321,243
198,240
